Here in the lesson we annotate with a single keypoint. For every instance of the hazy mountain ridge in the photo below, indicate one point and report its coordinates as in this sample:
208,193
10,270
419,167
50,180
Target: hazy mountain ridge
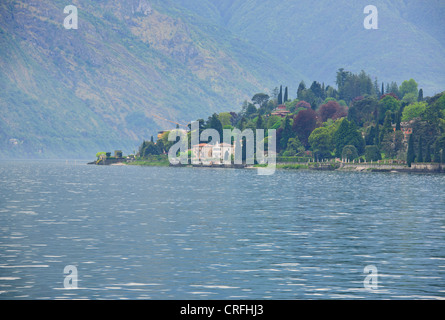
319,37
108,84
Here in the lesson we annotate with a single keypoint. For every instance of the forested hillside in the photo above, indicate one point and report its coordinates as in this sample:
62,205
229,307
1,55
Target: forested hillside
357,120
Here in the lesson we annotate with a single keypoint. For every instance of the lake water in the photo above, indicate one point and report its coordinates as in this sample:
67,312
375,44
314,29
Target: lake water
183,233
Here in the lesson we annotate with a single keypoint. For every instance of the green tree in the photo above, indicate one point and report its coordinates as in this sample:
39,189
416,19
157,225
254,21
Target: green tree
392,144
293,147
388,103
409,87
420,153
215,123
301,88
286,95
349,152
413,111
348,134
370,135
260,99
286,133
387,126
372,153
410,157
225,118
100,154
321,142
149,149
398,117
410,97
393,88
420,97
280,96
363,110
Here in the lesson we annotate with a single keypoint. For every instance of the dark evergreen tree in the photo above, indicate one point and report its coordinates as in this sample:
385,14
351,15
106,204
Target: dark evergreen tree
410,157
377,135
286,95
280,96
387,126
376,88
215,123
286,134
383,89
260,123
348,134
398,117
420,97
142,148
420,153
301,88
370,137
161,146
151,139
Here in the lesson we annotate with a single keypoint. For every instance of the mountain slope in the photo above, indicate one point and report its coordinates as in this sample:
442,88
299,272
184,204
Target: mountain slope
109,84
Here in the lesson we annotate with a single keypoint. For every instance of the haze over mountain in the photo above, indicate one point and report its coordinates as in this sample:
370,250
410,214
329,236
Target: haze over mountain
130,64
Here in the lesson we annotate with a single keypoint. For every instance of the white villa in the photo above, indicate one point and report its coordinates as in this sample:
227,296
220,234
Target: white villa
209,153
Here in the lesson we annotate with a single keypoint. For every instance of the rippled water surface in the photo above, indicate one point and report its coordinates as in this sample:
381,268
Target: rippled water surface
182,233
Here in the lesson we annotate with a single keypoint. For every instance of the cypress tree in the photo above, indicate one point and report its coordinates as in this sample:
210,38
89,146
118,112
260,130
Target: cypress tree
410,155
383,89
420,154
285,95
428,153
280,96
398,117
387,125
420,97
287,133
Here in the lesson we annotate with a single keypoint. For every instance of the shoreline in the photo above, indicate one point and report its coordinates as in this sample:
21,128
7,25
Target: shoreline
341,167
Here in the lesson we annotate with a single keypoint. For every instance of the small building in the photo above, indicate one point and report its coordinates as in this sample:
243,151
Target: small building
406,128
209,153
281,111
